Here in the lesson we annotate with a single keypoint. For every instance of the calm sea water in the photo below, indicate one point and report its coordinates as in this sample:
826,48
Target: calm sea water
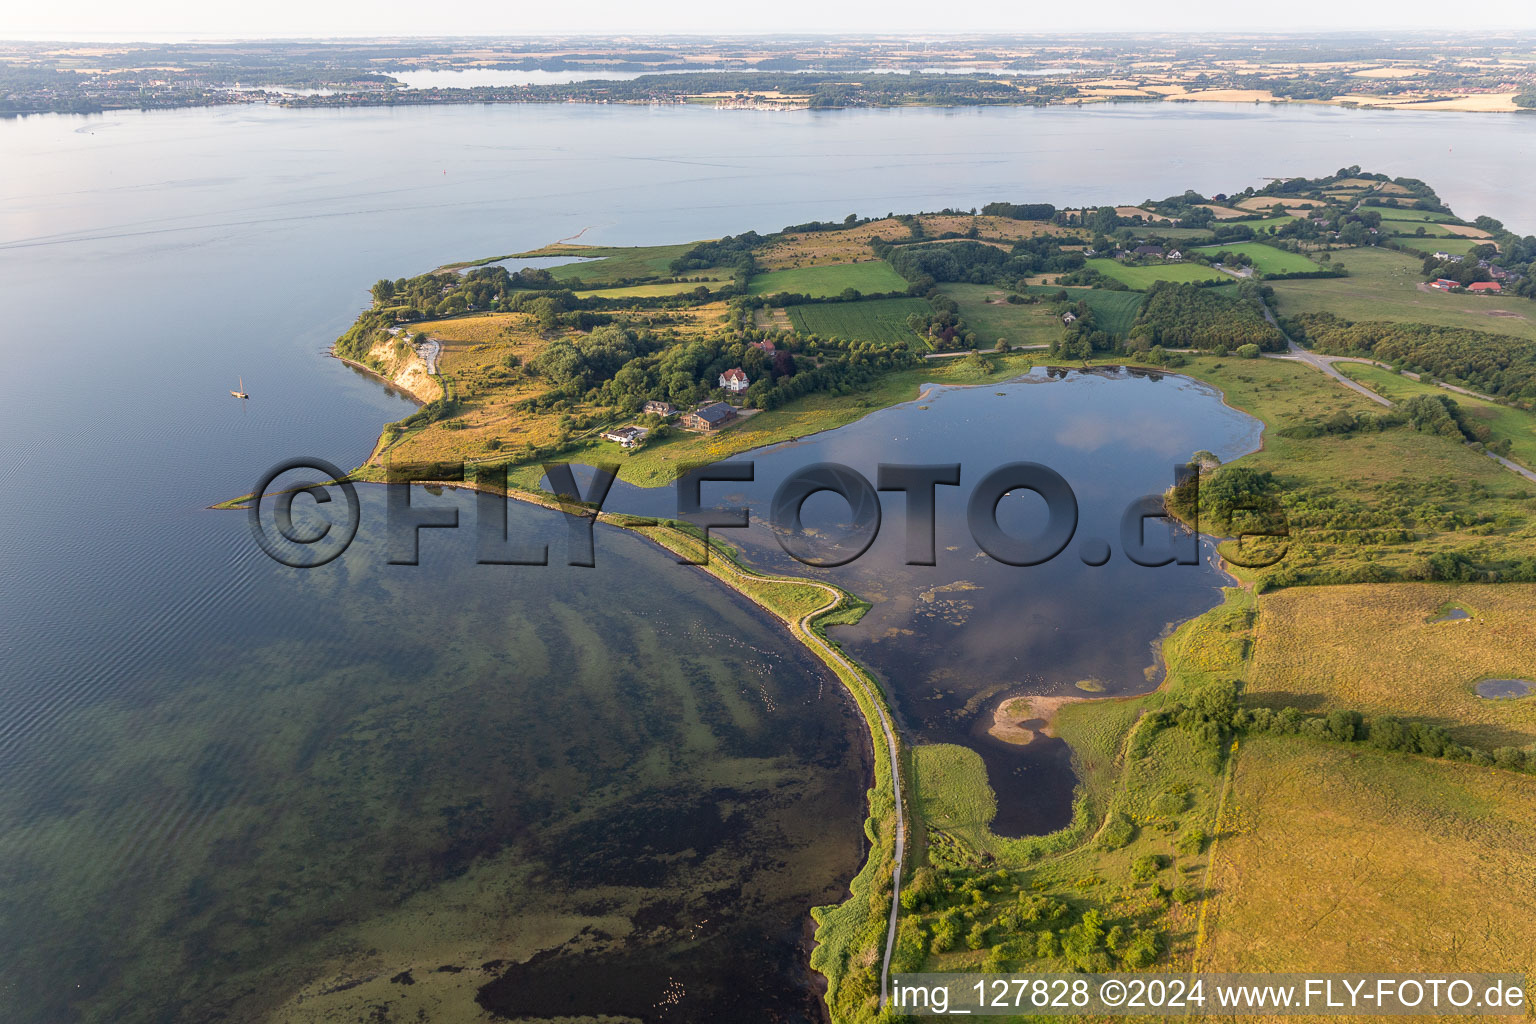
222,781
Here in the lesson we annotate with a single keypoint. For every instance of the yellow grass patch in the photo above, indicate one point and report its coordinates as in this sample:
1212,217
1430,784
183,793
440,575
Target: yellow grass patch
1221,211
1264,203
807,248
1136,211
1232,95
1373,648
1464,230
1337,858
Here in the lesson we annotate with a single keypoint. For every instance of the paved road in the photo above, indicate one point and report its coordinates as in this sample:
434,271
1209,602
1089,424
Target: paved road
1296,353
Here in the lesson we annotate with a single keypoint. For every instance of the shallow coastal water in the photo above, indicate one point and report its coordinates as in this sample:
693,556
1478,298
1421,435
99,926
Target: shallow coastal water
237,776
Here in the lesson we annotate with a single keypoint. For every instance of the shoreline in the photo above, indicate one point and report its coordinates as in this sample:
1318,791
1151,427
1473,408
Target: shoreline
843,930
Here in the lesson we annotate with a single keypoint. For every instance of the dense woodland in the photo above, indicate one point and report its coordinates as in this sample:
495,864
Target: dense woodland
1496,364
1188,316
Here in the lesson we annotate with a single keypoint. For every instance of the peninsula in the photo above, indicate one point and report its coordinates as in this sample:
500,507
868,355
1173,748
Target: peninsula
1326,713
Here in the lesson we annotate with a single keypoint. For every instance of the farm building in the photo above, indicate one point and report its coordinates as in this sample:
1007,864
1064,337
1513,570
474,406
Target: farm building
1147,250
1485,287
709,417
1445,284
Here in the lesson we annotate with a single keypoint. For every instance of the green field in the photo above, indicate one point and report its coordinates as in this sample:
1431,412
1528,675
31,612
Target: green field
879,320
1410,229
1257,223
1114,312
871,276
1182,234
1454,245
1267,258
985,310
1399,213
1142,278
1384,285
1505,421
604,264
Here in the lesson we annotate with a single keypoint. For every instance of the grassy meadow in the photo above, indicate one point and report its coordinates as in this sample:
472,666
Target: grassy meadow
1368,503
1266,258
1113,311
1505,421
1377,649
1142,278
989,313
1387,285
1336,858
607,264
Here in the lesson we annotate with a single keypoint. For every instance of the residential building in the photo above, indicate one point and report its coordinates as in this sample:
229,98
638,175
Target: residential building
734,380
626,437
708,417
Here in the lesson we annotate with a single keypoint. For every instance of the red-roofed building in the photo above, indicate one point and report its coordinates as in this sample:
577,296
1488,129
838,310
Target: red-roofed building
762,346
734,380
1490,287
1445,284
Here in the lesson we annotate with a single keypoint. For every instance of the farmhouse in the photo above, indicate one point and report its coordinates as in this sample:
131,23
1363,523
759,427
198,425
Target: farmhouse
656,408
626,437
1175,256
709,417
1485,287
1068,317
734,380
1442,255
1147,250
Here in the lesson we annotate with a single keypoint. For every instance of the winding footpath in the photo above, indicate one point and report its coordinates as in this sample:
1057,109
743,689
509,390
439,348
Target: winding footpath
829,652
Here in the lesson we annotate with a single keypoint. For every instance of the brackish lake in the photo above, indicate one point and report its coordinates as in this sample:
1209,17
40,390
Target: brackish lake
952,640
224,783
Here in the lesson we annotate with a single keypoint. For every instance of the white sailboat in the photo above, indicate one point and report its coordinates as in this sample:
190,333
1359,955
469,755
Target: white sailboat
241,393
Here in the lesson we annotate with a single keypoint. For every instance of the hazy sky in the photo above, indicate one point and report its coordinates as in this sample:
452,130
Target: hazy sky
176,19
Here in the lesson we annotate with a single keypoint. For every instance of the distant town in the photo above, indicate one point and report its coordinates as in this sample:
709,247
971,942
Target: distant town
1485,73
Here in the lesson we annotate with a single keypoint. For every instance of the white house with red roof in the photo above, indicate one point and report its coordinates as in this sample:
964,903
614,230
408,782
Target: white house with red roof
734,380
